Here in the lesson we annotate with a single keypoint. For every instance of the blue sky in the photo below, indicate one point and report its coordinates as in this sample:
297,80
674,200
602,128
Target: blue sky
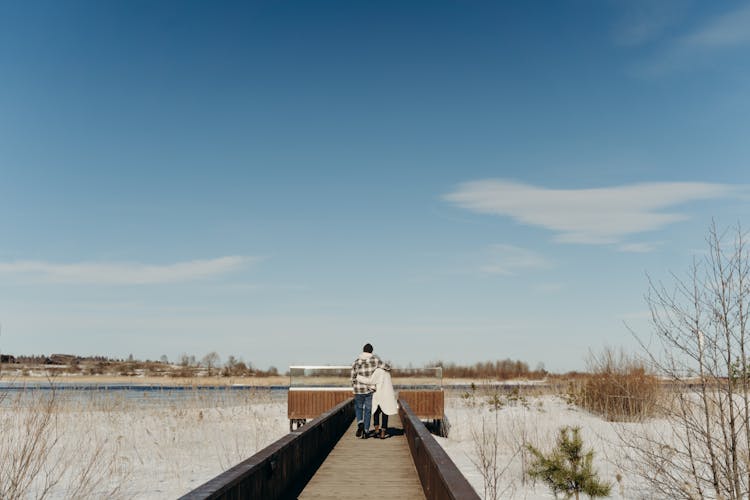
285,181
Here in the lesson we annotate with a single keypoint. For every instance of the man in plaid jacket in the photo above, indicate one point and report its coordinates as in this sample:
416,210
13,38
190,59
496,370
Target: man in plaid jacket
364,365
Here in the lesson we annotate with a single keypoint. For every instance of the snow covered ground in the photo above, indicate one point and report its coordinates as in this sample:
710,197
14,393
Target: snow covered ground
105,445
534,420
100,445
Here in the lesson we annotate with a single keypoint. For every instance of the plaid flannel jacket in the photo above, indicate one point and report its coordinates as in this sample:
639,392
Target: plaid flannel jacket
365,366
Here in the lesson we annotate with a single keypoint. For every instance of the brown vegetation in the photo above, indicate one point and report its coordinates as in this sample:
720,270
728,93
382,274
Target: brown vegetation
188,366
505,369
618,387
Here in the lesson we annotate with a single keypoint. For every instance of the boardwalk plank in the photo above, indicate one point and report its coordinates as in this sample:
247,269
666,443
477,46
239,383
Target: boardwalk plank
367,468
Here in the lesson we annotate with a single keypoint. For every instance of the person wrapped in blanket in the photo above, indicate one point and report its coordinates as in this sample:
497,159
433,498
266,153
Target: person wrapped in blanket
365,365
383,400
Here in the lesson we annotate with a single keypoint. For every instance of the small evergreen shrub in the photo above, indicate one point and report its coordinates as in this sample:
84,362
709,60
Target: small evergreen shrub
567,469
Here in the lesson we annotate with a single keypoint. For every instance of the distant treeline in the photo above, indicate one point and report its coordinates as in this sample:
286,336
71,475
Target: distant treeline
185,366
505,369
52,359
211,364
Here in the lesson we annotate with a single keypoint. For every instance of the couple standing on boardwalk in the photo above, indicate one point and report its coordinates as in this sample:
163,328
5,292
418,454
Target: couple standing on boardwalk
373,394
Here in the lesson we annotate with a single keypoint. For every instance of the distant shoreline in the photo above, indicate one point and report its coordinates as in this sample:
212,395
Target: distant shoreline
149,380
206,381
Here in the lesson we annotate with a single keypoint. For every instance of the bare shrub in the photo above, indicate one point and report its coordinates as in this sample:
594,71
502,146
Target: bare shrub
490,441
38,458
486,454
210,361
26,438
234,367
500,428
701,327
619,387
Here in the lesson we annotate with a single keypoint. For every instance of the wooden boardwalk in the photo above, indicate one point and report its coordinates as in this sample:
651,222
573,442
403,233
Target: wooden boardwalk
367,468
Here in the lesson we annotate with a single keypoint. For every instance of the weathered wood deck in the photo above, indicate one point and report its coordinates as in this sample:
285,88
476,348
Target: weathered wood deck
367,468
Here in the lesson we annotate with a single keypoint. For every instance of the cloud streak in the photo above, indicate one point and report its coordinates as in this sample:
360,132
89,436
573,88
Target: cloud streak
90,273
700,45
727,30
587,216
644,20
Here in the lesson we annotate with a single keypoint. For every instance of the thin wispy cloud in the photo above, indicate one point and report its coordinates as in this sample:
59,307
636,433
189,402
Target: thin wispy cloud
587,216
728,30
700,45
644,21
509,260
95,273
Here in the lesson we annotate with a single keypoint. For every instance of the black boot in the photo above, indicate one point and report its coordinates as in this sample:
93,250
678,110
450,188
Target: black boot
360,429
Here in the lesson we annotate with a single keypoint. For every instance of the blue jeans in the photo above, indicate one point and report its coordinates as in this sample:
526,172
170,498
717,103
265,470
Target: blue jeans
363,409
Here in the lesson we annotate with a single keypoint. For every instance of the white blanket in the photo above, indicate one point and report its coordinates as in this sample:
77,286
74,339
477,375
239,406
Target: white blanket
384,395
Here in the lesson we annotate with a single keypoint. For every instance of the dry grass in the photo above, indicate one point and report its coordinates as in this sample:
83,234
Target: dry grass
619,388
37,458
71,444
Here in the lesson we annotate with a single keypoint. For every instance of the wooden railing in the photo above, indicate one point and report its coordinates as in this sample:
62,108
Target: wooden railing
307,403
440,478
282,469
310,403
303,404
426,404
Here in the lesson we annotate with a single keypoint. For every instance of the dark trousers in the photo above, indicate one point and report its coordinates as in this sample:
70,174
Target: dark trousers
376,418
